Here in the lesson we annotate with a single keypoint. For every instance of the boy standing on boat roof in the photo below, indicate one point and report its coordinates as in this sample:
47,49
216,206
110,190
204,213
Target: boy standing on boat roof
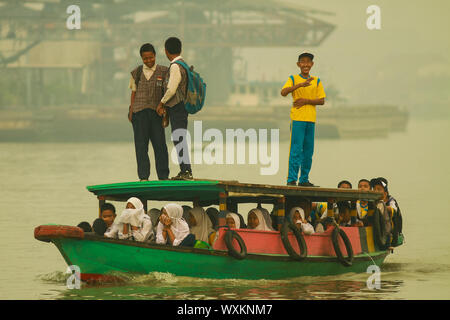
307,92
146,86
173,103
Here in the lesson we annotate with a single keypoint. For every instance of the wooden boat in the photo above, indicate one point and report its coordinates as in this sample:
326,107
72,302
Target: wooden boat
236,253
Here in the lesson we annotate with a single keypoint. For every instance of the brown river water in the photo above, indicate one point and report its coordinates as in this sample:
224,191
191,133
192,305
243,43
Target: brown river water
46,183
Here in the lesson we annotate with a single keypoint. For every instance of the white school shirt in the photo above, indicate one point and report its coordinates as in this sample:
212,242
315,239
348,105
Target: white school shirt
148,72
174,80
179,235
143,233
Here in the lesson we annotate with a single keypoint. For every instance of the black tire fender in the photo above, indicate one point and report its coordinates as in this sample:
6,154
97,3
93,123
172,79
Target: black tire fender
381,221
346,261
289,226
229,236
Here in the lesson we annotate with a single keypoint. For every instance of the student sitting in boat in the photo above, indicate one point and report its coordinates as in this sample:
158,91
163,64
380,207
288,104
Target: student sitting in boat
297,217
108,214
133,223
267,218
380,184
233,221
318,210
200,224
256,221
154,215
186,210
102,224
172,228
362,207
343,208
213,215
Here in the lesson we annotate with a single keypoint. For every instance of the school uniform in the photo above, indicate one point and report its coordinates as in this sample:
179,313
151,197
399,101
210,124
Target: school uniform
147,124
303,121
173,99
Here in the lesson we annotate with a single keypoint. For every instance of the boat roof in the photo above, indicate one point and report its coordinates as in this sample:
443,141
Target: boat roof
206,192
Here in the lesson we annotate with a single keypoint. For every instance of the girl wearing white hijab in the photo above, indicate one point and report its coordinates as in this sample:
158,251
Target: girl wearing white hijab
201,225
134,218
297,216
256,220
233,220
171,225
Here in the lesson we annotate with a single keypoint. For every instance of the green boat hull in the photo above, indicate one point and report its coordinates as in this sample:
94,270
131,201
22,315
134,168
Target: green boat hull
98,258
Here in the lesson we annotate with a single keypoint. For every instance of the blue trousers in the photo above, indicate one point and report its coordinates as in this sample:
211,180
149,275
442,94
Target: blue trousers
301,150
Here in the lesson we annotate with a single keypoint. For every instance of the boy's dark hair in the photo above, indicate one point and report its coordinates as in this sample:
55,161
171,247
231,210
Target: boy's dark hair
99,226
306,54
108,206
147,47
173,45
379,182
346,182
85,226
363,180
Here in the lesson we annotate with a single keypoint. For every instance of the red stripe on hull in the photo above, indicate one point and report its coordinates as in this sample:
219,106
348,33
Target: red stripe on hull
269,242
95,277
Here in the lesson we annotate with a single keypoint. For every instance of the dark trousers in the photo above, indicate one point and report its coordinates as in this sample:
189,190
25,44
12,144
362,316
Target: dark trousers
178,117
147,127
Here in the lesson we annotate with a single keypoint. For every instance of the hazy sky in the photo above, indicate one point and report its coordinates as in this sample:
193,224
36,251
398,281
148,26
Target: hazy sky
406,62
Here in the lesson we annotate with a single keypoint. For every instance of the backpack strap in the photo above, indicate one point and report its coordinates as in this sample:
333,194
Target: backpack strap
138,75
188,73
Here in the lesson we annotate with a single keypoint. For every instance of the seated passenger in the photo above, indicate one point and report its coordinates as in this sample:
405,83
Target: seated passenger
256,221
133,223
342,214
201,226
108,214
233,220
242,221
154,215
362,207
186,213
343,217
99,226
344,184
267,218
380,184
297,217
85,226
213,215
172,228
318,211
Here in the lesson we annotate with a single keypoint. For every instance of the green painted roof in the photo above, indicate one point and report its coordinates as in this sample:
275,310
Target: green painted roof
207,191
164,190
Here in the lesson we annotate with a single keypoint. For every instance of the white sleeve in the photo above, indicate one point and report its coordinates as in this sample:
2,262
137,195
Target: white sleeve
125,236
132,84
307,228
142,234
159,237
113,232
174,81
393,205
180,236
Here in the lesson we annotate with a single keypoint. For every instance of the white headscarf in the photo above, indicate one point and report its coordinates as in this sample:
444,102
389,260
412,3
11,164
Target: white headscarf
203,227
267,217
307,228
133,216
300,210
262,221
179,226
236,219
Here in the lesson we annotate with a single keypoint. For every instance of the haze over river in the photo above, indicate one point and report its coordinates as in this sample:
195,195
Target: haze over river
46,183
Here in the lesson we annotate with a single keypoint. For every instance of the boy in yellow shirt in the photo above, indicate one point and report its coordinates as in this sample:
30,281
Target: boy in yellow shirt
307,92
